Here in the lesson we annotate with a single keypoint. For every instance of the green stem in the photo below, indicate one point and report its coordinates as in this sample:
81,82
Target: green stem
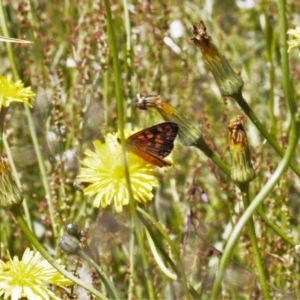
128,58
158,241
42,168
8,45
157,257
278,230
131,261
105,97
113,292
16,211
2,117
201,145
269,45
30,123
261,272
285,62
119,97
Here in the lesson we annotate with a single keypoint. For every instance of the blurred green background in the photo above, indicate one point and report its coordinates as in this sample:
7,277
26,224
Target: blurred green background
69,66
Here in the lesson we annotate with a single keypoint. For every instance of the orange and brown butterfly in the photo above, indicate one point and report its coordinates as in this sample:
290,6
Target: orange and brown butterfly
154,143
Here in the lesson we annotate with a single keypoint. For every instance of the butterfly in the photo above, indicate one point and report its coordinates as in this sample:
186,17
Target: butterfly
153,144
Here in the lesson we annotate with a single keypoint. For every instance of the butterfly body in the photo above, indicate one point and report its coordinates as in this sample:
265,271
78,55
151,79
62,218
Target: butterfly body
153,144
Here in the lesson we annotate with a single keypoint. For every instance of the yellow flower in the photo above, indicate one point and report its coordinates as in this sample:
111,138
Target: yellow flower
295,42
10,92
28,278
104,171
10,195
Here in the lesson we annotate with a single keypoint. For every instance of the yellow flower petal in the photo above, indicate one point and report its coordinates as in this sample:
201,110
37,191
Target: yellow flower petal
295,41
14,92
29,277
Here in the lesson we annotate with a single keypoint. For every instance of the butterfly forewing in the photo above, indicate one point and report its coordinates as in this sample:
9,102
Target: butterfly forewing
154,143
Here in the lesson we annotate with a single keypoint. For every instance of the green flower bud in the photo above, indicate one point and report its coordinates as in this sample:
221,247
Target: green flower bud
241,167
228,81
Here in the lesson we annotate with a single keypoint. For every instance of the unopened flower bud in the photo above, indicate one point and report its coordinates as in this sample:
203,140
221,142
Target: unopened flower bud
69,244
241,169
72,229
228,81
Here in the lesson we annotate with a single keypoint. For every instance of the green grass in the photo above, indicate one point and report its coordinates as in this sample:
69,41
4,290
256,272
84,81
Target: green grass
84,89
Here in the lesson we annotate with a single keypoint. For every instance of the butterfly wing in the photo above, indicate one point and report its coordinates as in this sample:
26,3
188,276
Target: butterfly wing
154,143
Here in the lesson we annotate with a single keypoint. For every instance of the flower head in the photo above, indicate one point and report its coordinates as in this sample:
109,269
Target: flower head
29,277
295,42
241,168
228,81
189,132
14,91
10,195
104,171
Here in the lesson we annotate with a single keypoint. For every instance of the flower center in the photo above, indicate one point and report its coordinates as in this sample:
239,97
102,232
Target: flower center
22,276
118,172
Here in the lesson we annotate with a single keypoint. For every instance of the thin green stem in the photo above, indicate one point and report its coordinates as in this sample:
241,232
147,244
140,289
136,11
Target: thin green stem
119,97
251,230
128,33
16,211
201,145
128,57
157,240
158,258
105,97
2,118
113,292
269,44
285,62
30,123
277,229
131,264
8,45
42,168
